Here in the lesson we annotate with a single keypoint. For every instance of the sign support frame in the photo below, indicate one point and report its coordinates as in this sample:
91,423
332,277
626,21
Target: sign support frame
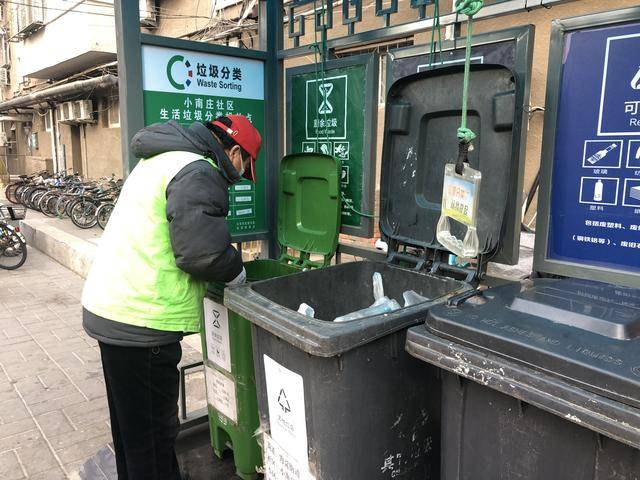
130,42
371,64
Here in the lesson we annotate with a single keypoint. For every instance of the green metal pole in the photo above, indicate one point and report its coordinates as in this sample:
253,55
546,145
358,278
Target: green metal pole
271,38
129,76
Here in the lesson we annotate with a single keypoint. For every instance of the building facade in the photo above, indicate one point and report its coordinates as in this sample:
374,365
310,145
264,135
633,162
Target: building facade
56,112
59,106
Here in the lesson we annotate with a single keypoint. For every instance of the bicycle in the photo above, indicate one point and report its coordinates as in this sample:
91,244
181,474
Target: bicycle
84,210
61,185
104,213
13,245
13,190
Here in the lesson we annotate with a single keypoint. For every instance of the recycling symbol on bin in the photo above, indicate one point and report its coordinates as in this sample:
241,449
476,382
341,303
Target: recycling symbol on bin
283,402
216,316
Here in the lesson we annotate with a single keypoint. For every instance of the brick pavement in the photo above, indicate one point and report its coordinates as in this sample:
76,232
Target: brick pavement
53,409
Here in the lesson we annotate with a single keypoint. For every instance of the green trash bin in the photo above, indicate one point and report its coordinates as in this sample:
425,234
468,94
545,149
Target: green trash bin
308,222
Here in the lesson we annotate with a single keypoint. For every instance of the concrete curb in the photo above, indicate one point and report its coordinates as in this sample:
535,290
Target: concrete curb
70,251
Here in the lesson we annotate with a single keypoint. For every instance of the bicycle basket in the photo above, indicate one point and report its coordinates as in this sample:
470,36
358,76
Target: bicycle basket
13,212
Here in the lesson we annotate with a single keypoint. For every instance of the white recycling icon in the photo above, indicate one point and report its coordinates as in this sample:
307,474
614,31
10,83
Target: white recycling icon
635,81
284,403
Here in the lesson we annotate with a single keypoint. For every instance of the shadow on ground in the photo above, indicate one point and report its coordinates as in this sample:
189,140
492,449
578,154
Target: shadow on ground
195,456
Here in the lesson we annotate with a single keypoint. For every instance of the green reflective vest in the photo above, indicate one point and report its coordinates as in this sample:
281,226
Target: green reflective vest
134,278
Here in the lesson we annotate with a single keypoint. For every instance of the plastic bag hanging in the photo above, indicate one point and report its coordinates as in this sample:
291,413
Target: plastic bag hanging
460,204
461,186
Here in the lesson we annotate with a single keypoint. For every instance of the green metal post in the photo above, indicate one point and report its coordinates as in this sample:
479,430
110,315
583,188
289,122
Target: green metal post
129,76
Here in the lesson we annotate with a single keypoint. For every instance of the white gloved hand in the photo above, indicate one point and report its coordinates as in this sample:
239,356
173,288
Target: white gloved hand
240,279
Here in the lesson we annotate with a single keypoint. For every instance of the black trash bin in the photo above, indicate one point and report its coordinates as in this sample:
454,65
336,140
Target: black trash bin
342,391
541,380
339,401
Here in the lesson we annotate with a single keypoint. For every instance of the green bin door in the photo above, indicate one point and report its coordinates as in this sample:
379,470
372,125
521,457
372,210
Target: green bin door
309,204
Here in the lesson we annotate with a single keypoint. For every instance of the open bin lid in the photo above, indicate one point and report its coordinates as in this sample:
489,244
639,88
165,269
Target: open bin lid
309,203
422,115
586,333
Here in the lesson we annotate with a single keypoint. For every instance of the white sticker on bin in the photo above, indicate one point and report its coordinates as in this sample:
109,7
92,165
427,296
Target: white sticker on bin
216,327
221,393
279,465
287,418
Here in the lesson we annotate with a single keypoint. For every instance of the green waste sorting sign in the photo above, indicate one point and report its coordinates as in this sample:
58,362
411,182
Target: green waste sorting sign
335,114
191,86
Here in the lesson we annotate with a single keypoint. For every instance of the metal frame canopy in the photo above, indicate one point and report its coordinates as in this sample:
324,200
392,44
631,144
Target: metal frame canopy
272,53
576,236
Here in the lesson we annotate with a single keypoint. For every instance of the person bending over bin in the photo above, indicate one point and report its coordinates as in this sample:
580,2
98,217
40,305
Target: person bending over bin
166,238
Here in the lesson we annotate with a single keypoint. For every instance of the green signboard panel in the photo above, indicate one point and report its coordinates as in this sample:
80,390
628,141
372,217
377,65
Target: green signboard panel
190,86
335,113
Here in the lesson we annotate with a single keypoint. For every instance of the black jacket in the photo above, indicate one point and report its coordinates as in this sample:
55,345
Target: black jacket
197,200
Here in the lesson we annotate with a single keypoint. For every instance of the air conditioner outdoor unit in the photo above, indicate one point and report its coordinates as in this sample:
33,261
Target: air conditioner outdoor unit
28,18
4,77
15,19
5,60
66,113
84,111
148,13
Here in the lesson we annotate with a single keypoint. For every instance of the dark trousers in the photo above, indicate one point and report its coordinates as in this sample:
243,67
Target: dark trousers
142,390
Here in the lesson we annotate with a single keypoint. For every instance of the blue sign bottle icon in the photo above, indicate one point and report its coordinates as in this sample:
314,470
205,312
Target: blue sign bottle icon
597,191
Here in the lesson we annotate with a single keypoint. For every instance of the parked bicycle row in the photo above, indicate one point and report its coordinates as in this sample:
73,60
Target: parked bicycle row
86,202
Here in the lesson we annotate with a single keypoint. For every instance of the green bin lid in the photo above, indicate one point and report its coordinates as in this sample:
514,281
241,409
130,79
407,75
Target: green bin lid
309,203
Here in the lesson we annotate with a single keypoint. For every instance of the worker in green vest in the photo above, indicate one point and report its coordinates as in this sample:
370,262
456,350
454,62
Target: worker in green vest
166,238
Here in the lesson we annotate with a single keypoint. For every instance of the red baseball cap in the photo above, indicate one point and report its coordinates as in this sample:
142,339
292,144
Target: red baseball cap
247,136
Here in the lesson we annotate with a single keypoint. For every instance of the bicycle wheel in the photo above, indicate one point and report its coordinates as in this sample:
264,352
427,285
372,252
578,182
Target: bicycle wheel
35,199
83,213
13,248
10,192
69,205
23,193
48,204
61,205
103,214
18,193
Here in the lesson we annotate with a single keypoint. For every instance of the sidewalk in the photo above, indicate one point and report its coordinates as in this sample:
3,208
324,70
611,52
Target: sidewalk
53,409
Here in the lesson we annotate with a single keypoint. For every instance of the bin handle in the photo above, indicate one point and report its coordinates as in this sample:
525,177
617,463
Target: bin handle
443,268
397,257
304,261
459,299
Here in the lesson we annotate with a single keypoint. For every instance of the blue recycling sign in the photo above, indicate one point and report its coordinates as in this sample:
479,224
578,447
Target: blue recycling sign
620,97
595,196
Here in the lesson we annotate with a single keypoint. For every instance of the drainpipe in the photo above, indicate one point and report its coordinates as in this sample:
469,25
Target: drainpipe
54,143
83,150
